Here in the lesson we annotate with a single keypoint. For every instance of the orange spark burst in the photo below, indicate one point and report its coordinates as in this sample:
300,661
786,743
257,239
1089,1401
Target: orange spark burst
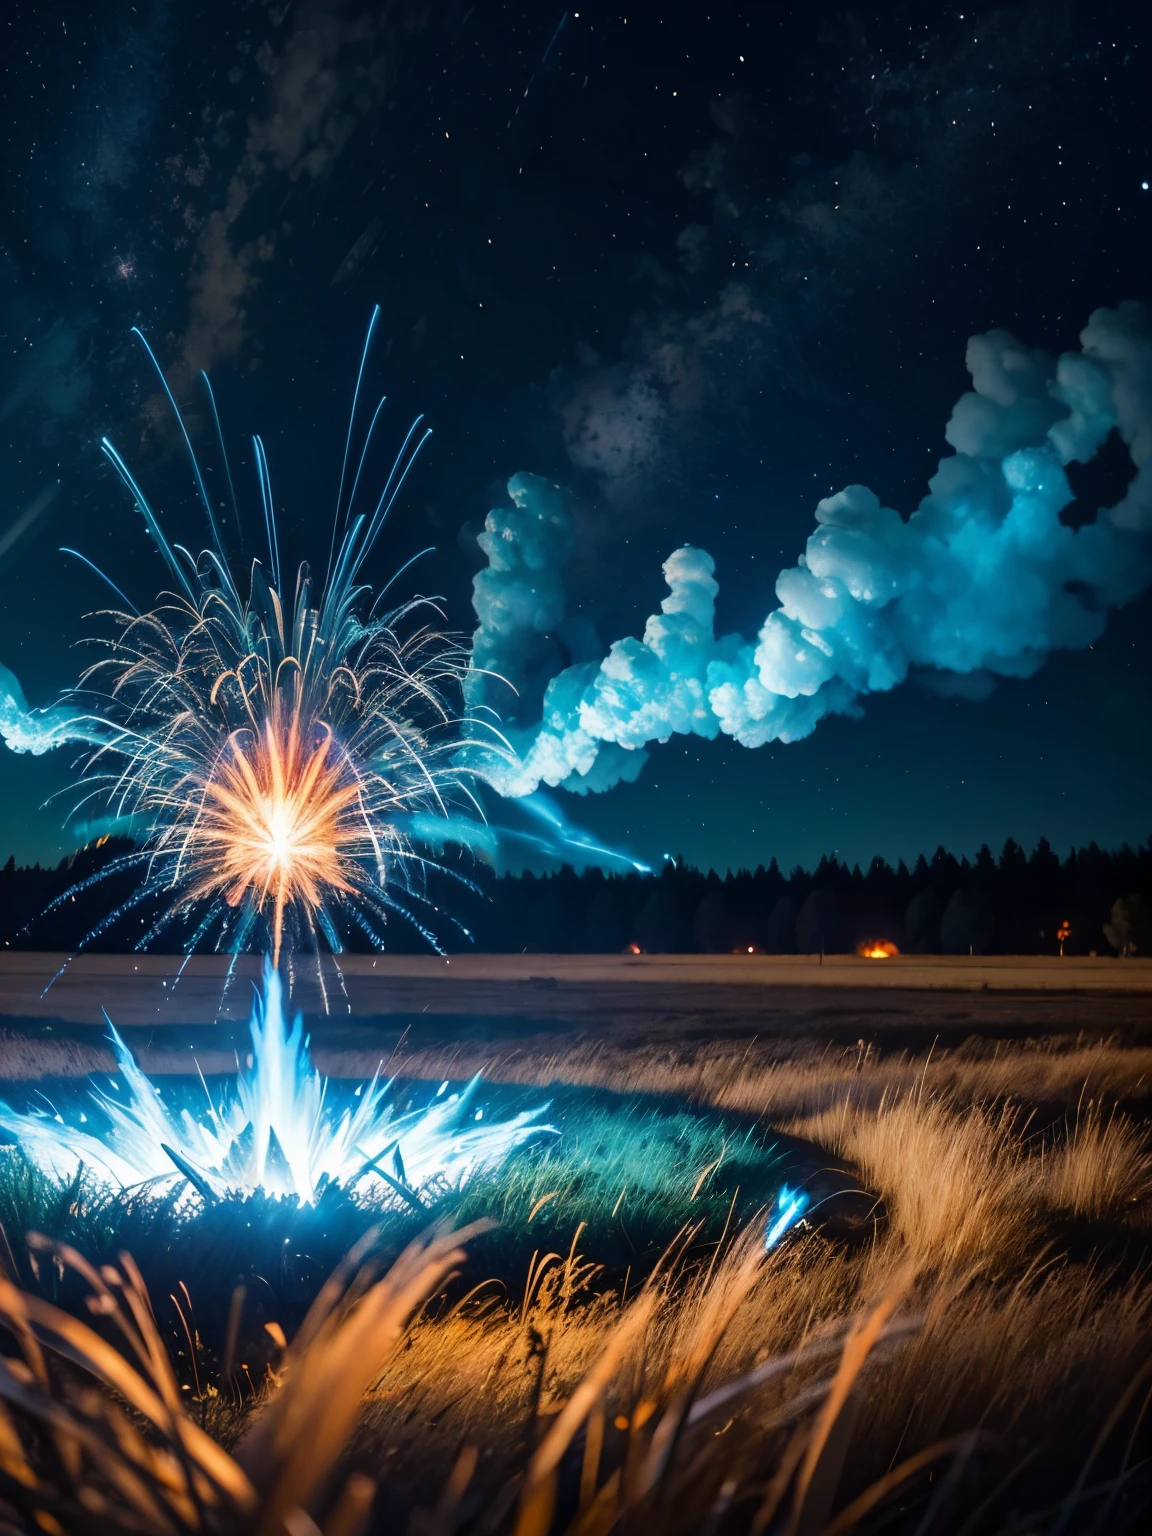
276,823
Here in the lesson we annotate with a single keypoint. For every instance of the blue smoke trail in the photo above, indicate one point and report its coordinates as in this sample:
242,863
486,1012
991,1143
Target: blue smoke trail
37,731
982,581
550,837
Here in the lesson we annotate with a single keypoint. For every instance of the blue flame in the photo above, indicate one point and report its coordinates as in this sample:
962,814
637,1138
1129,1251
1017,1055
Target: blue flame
273,1129
786,1212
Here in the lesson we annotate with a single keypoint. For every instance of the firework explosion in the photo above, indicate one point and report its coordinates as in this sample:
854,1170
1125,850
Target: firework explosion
284,765
275,755
273,760
274,1130
276,759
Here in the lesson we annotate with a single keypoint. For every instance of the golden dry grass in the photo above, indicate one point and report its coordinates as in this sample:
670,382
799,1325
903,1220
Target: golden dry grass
985,1348
1029,1346
950,1181
947,1139
1103,1168
780,1080
709,1391
1033,1367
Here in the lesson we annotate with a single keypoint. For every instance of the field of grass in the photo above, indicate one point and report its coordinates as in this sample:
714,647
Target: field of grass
964,1347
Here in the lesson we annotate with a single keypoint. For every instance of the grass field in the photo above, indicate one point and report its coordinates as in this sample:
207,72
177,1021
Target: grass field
965,1345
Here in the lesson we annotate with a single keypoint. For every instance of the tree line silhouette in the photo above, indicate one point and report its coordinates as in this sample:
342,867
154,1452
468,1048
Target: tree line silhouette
1015,904
1019,903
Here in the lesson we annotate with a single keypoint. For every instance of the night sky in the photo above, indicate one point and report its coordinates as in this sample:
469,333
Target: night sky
701,264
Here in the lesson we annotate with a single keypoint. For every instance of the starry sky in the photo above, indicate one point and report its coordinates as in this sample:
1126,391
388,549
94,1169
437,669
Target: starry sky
702,265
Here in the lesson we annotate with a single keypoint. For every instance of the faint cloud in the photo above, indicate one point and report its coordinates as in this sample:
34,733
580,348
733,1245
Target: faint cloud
795,239
693,244
332,71
131,74
620,420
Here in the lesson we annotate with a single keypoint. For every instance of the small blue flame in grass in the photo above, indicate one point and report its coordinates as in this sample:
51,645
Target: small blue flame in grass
789,1207
273,1129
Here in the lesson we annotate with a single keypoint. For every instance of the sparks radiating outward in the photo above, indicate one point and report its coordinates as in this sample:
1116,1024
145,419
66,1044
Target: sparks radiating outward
283,763
275,1130
276,760
275,824
275,755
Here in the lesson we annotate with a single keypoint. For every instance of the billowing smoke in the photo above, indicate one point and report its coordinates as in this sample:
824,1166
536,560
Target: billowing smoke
36,730
983,580
520,596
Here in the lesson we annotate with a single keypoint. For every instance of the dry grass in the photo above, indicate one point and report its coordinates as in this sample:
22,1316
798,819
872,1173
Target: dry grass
28,1058
117,1449
1025,1371
124,1454
745,1392
1103,1169
947,1141
952,1182
972,1188
978,1362
768,1077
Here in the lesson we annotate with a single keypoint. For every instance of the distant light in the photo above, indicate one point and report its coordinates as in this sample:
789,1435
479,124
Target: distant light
1143,186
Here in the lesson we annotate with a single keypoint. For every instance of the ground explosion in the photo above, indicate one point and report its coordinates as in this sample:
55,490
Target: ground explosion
270,755
277,763
275,1130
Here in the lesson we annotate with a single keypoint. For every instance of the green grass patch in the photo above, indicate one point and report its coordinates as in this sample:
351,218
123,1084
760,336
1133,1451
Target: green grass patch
623,1177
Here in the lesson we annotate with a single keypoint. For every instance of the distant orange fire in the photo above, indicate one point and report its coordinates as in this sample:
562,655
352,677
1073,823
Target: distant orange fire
877,949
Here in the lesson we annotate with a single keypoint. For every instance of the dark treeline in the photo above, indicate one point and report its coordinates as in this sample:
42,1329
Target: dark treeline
1015,904
1018,903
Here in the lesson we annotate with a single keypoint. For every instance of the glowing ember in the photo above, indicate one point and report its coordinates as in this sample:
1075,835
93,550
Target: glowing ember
273,1129
877,949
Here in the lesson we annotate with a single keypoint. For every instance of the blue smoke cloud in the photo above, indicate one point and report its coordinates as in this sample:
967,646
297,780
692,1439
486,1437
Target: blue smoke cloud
520,596
36,730
982,581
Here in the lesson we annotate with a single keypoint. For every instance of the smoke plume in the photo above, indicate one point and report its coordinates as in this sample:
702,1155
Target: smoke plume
984,580
36,730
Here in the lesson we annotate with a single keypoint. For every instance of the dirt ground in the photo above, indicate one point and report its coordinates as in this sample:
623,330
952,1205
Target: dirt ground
382,984
536,1003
